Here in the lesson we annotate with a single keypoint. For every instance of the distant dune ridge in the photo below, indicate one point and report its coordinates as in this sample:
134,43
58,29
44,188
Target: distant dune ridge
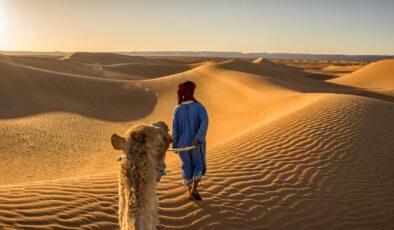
102,65
285,150
103,58
377,76
299,56
212,54
343,68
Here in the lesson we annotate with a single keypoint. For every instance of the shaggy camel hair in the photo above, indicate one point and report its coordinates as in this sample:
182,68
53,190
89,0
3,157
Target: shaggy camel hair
144,147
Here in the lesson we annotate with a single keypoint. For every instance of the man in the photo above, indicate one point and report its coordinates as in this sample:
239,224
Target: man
189,127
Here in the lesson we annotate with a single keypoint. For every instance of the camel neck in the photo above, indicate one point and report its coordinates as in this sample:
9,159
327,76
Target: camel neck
143,195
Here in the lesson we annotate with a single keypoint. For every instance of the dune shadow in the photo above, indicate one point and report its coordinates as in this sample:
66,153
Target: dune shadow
25,92
319,76
298,79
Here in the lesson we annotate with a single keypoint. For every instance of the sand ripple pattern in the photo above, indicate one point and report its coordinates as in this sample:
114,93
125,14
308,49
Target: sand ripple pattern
54,145
325,166
70,203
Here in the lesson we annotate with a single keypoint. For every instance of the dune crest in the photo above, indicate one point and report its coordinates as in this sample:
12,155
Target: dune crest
103,58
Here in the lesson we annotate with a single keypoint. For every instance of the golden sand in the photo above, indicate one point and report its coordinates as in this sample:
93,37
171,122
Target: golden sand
285,151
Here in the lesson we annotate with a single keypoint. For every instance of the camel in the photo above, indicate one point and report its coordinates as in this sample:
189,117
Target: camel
143,164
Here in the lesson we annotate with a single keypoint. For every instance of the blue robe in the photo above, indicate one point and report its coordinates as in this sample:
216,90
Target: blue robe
190,122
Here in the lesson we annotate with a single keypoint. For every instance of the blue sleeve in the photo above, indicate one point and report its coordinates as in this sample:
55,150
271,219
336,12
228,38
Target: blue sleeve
202,130
175,129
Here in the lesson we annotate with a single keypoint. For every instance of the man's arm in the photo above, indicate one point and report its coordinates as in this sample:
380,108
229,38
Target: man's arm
202,130
175,129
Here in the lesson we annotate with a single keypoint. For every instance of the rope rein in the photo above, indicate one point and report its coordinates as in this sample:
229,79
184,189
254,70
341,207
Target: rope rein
162,171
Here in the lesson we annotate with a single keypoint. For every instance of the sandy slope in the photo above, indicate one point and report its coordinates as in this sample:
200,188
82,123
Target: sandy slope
343,68
103,58
146,70
70,117
28,90
284,151
282,175
53,64
377,76
85,64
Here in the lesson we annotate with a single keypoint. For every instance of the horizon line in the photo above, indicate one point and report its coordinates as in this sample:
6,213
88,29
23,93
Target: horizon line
195,51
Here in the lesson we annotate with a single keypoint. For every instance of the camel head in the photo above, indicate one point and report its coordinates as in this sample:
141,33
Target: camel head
145,143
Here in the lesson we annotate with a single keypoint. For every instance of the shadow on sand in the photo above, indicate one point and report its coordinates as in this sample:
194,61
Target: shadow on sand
29,91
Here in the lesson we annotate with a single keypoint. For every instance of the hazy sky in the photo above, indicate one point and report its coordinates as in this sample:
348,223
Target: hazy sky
307,26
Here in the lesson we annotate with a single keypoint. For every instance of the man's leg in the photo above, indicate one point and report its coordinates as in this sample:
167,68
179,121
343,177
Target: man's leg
198,167
194,188
187,169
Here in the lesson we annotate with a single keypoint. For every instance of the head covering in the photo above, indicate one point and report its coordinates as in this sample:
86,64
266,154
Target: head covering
186,91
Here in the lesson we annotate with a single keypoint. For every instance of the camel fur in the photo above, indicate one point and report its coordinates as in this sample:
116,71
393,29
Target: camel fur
144,147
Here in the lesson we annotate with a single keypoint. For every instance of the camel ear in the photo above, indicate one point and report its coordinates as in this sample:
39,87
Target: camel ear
118,142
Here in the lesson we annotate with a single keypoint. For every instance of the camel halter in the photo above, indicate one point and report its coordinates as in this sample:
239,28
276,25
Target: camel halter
176,150
162,170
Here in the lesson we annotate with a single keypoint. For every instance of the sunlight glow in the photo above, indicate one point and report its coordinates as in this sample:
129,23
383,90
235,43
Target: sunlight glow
274,26
3,31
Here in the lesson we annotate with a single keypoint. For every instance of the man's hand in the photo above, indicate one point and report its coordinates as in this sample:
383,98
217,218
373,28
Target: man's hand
196,143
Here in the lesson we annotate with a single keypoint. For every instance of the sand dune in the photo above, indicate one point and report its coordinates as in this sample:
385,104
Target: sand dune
377,76
288,76
27,91
53,64
282,175
151,68
65,105
284,151
103,58
146,71
343,68
324,70
112,58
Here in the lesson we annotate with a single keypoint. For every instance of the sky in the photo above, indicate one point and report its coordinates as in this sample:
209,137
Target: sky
286,26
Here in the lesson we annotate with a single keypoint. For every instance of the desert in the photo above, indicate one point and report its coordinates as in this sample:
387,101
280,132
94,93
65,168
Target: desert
285,149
